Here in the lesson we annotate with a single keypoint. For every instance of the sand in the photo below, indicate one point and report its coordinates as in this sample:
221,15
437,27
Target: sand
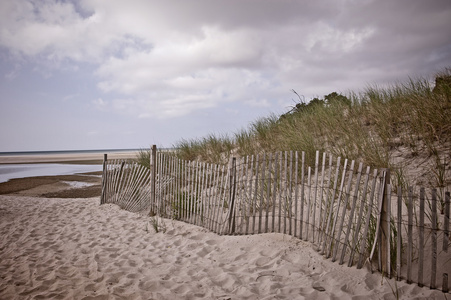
73,248
57,242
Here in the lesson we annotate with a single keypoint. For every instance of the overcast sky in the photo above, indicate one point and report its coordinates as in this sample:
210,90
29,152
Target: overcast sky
102,74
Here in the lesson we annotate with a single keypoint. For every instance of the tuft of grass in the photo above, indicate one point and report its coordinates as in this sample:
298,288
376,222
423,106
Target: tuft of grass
143,157
211,149
157,224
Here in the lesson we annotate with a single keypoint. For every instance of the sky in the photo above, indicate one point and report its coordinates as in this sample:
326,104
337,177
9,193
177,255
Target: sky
113,74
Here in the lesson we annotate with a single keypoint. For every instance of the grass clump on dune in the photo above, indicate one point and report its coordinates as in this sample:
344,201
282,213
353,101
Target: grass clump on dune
380,127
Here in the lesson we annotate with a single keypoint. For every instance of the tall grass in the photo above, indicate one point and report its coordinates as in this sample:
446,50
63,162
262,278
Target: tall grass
210,149
366,126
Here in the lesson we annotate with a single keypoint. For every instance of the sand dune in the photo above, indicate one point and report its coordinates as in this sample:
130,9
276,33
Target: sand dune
76,249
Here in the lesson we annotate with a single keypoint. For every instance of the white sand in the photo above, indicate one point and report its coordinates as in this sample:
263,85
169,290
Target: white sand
76,249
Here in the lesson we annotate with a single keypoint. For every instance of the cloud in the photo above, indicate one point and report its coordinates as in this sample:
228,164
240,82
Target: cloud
169,59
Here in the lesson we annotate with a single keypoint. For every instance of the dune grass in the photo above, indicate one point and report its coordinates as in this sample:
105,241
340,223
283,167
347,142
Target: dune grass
412,117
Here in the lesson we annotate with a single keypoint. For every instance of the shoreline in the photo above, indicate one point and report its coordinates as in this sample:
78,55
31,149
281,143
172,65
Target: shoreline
66,158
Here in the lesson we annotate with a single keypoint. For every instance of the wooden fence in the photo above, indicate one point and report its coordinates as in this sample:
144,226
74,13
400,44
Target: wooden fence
350,213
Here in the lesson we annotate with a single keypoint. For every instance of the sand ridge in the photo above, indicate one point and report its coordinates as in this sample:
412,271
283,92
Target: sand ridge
76,249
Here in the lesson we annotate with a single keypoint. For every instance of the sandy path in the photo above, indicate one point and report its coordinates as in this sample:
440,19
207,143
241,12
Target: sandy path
76,249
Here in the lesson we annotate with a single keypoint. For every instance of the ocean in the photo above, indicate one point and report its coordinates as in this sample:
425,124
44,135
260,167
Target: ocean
11,171
20,153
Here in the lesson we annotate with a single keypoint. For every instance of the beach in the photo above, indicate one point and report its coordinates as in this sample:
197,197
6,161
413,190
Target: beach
67,158
58,242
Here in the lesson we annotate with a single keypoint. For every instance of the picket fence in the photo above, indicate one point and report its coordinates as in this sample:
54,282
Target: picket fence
351,214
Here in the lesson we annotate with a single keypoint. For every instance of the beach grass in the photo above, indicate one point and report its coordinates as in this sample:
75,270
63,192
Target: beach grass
374,126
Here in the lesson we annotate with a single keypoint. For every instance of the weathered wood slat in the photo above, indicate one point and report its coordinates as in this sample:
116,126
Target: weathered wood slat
334,241
290,195
257,161
280,164
314,227
263,178
301,209
309,202
446,223
331,210
285,193
359,218
399,236
274,193
343,214
434,239
296,192
268,193
321,210
351,214
409,234
421,240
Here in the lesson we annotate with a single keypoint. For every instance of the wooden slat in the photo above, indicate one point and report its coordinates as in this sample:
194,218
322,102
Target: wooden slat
321,205
445,288
309,202
216,190
380,197
345,205
238,200
263,177
314,227
446,223
327,232
351,214
247,191
326,204
268,193
279,225
274,192
398,236
409,235
359,218
301,208
388,237
290,194
208,192
283,185
220,200
296,193
255,193
225,192
421,240
334,240
434,239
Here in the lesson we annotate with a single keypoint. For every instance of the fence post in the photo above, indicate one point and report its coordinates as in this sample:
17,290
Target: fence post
153,169
232,196
104,179
385,227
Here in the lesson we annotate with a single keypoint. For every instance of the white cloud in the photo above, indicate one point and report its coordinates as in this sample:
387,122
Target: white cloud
99,103
168,59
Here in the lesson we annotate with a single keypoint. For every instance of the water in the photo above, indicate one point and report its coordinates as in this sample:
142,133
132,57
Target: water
12,171
20,153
